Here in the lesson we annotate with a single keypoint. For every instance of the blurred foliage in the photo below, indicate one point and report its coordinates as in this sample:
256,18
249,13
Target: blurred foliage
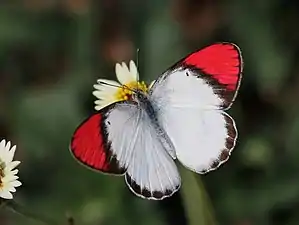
51,53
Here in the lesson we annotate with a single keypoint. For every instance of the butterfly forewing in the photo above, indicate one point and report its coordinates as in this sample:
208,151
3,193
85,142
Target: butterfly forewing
190,98
90,146
221,66
218,67
121,138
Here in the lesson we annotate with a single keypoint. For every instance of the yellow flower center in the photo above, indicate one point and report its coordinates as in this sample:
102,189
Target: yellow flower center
124,93
2,166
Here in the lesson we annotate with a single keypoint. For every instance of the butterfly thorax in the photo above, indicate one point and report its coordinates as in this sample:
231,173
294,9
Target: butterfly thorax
141,98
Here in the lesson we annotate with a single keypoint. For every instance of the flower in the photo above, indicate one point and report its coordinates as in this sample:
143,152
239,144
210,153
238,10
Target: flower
109,91
8,179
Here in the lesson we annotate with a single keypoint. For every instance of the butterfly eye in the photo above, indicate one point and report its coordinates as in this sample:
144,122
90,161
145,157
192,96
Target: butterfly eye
138,95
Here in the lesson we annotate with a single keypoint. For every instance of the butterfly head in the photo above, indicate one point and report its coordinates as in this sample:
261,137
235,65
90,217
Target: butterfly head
139,96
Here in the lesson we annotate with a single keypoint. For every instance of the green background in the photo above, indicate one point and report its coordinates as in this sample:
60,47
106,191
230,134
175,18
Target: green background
52,52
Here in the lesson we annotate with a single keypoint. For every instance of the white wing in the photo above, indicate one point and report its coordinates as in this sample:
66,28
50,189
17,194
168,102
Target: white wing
150,171
189,110
189,100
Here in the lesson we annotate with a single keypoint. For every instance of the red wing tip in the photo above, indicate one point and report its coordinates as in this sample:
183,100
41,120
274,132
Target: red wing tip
217,55
226,46
89,146
229,44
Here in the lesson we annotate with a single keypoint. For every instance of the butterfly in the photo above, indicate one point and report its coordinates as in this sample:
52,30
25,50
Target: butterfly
139,132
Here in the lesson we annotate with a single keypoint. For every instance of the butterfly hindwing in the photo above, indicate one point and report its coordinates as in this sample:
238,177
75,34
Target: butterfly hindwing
203,139
190,98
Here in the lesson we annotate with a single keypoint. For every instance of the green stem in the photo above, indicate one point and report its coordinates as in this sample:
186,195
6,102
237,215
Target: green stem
15,207
197,204
210,214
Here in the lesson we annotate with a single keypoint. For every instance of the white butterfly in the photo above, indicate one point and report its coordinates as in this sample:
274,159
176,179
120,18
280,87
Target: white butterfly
140,132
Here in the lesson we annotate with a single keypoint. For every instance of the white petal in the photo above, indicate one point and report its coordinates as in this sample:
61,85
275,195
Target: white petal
118,68
10,155
102,104
6,195
123,74
2,143
7,187
134,70
13,148
2,147
12,189
12,165
108,94
100,94
112,82
104,95
105,88
14,172
9,178
99,107
151,84
110,87
125,67
98,87
4,157
7,146
16,183
105,92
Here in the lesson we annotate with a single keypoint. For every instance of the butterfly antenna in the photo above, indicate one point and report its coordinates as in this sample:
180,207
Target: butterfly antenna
129,88
112,85
137,57
137,64
117,86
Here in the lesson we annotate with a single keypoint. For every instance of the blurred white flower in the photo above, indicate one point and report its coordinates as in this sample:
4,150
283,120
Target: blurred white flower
8,179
